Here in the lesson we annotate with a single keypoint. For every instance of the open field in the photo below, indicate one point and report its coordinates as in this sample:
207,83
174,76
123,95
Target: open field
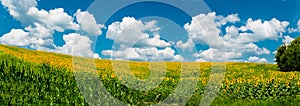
35,77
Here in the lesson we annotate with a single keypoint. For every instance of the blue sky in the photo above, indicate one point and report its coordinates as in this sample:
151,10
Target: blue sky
178,30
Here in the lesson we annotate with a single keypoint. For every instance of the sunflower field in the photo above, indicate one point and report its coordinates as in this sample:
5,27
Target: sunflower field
29,77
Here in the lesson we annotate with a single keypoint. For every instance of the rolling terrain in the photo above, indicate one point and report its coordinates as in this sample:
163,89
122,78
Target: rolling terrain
43,78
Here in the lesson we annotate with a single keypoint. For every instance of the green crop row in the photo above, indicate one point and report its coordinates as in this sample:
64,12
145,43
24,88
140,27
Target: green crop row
23,83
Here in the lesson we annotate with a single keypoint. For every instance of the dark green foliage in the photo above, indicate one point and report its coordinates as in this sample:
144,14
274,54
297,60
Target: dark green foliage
288,56
23,83
136,97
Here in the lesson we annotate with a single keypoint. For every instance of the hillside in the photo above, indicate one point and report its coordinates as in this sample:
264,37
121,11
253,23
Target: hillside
36,77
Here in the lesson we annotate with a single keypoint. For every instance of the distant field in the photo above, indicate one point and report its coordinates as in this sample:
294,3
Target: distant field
36,77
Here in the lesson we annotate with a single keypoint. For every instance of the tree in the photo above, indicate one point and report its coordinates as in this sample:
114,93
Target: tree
288,56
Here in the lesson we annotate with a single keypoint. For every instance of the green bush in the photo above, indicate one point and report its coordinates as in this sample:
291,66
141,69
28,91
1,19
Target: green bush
288,56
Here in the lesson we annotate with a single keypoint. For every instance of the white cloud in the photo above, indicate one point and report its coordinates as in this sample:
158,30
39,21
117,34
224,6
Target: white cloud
201,60
153,42
77,45
245,48
287,39
27,13
136,43
19,8
217,55
274,52
96,56
292,30
232,32
39,30
230,18
16,37
206,29
40,25
88,23
130,31
144,54
19,37
261,30
257,59
55,18
185,46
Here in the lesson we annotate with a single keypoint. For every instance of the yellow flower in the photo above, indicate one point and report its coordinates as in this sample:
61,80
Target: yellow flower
239,80
279,80
226,81
256,84
173,80
204,82
113,75
291,77
287,83
275,85
273,77
267,81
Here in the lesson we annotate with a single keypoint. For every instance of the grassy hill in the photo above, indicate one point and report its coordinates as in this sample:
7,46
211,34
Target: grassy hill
43,78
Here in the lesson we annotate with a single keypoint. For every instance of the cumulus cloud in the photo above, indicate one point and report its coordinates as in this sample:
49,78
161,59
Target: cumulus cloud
245,48
293,30
39,30
287,39
77,45
189,45
206,29
40,26
19,8
88,23
217,55
153,42
229,54
244,42
37,37
130,31
139,40
16,37
256,59
55,18
26,12
144,54
261,30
